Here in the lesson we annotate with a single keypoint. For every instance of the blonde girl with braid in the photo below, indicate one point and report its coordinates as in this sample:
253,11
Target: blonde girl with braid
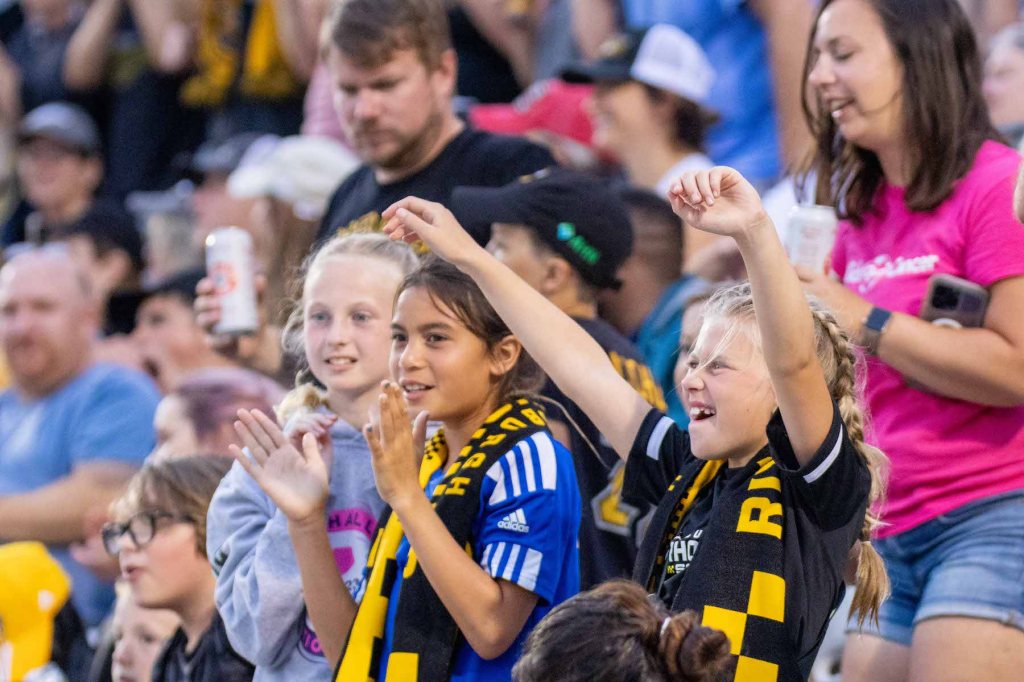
760,502
277,602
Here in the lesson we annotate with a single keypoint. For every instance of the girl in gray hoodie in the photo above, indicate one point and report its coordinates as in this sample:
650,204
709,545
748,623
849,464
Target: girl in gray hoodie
342,326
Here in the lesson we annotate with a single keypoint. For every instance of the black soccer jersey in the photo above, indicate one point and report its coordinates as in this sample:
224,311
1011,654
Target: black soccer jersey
774,538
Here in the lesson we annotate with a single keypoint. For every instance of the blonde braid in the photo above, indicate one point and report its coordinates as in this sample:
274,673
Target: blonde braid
840,362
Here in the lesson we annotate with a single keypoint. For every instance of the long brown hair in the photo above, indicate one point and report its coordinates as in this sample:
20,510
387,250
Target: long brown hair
945,119
616,633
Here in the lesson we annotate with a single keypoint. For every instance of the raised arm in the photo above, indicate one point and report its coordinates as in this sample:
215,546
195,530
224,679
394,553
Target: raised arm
89,47
720,200
568,354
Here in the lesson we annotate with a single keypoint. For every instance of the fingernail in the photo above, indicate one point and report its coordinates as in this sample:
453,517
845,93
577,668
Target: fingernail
695,198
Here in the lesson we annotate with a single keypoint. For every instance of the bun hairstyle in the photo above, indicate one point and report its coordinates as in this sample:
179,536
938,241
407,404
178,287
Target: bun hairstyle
616,633
308,392
453,289
841,362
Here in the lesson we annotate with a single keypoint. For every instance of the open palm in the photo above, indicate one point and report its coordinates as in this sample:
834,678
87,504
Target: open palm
296,480
717,200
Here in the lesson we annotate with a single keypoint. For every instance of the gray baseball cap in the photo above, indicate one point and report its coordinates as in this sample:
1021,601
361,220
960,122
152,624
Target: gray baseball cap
66,123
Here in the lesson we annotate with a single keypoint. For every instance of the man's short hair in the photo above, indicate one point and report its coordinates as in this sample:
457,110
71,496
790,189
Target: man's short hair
369,32
659,231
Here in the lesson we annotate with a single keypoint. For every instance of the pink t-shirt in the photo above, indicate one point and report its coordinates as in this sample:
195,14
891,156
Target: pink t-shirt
944,453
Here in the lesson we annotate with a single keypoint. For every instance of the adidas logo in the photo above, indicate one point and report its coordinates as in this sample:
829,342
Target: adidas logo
516,521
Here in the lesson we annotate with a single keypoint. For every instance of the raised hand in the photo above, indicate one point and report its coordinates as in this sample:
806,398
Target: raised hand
413,219
717,200
295,479
396,446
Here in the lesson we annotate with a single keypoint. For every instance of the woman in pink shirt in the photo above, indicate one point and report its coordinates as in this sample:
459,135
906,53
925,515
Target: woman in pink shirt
907,152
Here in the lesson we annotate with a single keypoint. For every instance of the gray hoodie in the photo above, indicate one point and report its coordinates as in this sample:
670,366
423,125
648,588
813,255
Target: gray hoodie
259,592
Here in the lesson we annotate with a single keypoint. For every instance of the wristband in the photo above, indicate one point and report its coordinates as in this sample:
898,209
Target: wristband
872,328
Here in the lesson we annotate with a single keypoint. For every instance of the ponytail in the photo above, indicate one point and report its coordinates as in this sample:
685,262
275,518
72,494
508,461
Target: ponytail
691,652
839,360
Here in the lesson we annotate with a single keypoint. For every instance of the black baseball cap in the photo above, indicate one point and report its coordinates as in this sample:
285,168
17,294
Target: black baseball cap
107,224
63,122
574,214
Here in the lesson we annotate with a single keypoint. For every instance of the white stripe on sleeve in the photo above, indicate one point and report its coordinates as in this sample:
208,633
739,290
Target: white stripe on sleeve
510,565
513,473
657,436
820,470
548,463
531,569
527,457
496,559
497,474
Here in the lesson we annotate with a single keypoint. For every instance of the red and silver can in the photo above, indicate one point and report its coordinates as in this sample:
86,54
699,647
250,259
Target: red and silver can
229,263
810,235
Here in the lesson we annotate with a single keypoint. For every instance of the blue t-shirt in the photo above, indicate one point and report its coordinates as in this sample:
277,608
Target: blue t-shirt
526,533
735,43
105,413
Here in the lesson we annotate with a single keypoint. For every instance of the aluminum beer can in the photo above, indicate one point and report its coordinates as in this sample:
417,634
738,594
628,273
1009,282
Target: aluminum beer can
810,235
229,263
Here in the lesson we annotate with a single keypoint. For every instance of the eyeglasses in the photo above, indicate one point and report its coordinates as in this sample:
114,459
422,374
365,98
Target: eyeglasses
141,528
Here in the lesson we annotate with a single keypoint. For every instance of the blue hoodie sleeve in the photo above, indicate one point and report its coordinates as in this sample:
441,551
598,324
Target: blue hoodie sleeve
259,591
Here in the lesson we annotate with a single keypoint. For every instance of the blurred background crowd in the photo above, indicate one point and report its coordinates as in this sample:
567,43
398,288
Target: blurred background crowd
132,129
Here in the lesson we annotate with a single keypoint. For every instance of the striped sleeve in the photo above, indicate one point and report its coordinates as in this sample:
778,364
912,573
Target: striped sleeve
528,515
659,452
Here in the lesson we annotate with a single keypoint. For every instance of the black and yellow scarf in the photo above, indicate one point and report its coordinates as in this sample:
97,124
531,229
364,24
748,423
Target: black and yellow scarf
425,634
736,580
222,50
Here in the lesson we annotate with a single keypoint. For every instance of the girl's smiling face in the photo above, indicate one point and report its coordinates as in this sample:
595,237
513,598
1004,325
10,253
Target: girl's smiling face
442,367
857,75
347,312
727,393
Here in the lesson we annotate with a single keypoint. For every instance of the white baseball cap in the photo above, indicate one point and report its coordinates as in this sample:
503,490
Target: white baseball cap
662,56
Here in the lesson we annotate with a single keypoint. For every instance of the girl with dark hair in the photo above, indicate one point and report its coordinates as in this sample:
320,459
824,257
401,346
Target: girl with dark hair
458,576
616,633
759,502
908,156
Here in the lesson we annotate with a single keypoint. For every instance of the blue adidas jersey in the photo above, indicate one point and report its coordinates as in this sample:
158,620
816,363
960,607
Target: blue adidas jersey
526,533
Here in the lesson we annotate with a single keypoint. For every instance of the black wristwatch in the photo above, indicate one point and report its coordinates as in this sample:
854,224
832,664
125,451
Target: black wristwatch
872,327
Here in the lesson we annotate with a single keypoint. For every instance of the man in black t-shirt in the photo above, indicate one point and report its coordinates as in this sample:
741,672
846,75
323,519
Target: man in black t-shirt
566,235
394,72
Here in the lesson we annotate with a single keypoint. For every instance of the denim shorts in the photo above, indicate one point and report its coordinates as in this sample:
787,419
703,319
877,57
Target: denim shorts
966,563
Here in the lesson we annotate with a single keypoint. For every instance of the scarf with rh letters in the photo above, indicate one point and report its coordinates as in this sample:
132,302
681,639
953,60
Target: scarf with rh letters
425,635
736,580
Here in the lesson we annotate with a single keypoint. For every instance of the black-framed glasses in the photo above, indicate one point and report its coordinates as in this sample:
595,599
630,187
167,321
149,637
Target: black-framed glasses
141,528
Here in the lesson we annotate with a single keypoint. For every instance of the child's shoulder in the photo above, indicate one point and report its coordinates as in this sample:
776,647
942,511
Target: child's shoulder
533,464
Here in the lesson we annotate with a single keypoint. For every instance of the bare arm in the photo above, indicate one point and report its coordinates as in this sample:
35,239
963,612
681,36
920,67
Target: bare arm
298,29
165,29
88,49
787,26
10,92
720,200
593,22
490,612
982,365
567,353
56,513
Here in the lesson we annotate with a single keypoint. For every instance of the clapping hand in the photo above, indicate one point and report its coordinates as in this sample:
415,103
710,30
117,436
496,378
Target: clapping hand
396,446
295,478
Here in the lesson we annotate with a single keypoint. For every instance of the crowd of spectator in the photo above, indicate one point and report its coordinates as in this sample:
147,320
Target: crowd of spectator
180,504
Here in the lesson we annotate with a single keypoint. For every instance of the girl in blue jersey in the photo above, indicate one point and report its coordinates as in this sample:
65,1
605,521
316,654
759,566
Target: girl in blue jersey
760,502
479,539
